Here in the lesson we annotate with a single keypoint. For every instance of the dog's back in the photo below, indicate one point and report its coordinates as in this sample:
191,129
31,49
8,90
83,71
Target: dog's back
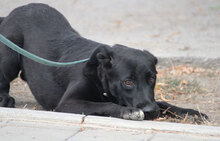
1,19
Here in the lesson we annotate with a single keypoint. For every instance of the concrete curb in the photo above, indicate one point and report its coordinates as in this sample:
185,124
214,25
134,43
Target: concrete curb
120,124
9,114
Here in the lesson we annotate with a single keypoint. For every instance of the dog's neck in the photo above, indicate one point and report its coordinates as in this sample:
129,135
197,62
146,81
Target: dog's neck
104,95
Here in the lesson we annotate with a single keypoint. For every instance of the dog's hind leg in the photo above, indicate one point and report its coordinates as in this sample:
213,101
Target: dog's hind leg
9,65
9,69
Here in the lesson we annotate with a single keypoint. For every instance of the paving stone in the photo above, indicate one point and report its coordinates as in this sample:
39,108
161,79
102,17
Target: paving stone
182,137
109,135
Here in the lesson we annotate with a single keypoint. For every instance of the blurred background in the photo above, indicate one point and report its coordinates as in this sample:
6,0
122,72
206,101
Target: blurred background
164,27
184,35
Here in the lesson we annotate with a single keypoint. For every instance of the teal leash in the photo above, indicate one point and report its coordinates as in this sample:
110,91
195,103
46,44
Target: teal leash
35,57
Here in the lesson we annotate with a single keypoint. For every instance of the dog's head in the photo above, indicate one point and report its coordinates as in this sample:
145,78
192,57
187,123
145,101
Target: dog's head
127,74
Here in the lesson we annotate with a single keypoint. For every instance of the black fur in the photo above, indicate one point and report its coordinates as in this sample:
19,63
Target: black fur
117,81
1,19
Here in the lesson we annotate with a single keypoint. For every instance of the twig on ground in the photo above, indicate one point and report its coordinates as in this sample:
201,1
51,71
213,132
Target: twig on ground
163,98
167,110
185,119
25,106
203,118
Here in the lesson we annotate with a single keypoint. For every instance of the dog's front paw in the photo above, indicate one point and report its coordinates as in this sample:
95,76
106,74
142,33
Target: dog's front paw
192,116
198,117
132,114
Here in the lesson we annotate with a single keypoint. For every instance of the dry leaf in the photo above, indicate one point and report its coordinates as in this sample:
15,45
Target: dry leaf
184,82
161,84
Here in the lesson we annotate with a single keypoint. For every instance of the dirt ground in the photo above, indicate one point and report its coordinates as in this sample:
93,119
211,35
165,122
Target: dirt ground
184,86
190,87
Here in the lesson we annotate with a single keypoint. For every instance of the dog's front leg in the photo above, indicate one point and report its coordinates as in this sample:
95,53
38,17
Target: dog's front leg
76,100
100,109
169,110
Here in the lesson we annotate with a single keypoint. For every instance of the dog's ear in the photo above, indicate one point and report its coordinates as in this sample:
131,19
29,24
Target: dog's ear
155,60
101,56
151,55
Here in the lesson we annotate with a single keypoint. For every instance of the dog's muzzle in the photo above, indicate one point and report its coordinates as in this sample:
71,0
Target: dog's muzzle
151,112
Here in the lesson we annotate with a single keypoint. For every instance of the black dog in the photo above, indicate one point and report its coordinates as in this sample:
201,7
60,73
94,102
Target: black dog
117,81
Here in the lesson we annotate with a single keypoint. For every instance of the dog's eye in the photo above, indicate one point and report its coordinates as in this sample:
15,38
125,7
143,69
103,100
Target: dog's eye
128,82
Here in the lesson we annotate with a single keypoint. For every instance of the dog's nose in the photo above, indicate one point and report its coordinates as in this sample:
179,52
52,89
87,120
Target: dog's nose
151,108
151,111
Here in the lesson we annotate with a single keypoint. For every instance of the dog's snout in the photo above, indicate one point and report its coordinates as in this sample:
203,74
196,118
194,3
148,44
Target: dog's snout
141,105
151,111
150,108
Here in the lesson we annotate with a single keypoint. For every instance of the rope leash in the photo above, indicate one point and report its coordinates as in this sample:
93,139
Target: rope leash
36,58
